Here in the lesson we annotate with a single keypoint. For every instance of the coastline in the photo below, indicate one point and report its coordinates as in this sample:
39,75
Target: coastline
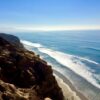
72,93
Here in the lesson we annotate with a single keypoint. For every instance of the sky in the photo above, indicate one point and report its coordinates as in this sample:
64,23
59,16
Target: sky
47,15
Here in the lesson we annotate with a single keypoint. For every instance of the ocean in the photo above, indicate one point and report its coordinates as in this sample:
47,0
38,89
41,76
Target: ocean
75,54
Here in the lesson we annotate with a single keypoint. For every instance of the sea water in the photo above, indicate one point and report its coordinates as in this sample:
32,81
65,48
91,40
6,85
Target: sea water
75,54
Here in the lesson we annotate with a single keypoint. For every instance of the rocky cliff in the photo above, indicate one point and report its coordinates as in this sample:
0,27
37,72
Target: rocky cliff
12,39
23,75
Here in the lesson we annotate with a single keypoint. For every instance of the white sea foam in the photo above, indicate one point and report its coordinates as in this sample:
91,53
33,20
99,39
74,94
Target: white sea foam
75,65
72,62
37,45
87,59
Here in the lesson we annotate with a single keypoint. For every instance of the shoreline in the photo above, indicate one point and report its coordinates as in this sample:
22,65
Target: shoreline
68,83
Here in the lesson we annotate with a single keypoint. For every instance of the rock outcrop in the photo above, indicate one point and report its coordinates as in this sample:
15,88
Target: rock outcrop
12,39
23,75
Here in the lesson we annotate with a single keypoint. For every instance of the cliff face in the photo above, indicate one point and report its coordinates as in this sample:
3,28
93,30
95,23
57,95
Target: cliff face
23,75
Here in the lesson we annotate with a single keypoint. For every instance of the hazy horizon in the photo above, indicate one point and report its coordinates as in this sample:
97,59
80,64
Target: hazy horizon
49,15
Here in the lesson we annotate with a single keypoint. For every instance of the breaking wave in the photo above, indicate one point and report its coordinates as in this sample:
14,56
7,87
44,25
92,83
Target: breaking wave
72,62
37,45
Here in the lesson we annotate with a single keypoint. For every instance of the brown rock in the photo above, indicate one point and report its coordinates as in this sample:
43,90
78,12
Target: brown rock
31,77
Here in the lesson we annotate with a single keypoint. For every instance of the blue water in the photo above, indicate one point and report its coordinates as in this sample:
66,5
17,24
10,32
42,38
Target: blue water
75,54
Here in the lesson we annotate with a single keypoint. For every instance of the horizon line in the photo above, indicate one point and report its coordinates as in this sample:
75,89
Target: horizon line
31,28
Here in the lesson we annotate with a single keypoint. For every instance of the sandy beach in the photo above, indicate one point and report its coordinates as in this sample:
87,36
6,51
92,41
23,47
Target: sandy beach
69,91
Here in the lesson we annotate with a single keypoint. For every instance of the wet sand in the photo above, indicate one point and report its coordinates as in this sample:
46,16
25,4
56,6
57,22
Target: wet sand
68,89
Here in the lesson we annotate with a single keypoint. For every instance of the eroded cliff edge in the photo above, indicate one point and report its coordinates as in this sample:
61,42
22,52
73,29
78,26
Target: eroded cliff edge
23,75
